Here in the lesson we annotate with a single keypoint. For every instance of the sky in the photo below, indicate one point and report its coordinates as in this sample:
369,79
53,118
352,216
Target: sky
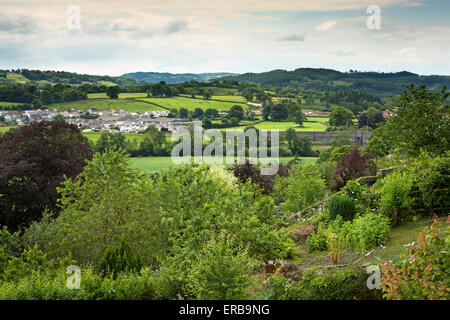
110,37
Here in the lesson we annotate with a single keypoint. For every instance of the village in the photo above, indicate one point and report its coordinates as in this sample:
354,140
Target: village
92,120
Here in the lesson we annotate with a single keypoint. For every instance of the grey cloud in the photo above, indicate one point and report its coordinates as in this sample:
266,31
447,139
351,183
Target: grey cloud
135,31
18,24
292,37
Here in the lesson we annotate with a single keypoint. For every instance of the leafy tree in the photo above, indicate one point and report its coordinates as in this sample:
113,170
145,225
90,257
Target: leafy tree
421,121
340,116
113,92
59,117
111,141
198,113
211,113
33,161
207,94
353,165
236,112
371,118
183,113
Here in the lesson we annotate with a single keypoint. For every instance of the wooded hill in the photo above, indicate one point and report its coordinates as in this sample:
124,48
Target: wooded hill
377,83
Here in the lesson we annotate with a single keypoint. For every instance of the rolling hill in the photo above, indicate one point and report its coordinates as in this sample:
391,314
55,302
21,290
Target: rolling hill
377,83
174,77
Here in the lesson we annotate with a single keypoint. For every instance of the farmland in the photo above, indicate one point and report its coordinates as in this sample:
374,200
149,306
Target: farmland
102,104
189,103
153,164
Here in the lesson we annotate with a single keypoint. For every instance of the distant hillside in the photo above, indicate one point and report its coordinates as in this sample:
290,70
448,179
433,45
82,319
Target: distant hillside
25,75
331,80
175,77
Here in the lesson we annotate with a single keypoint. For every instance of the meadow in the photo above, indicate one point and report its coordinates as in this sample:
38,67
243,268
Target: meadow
189,103
130,105
283,126
154,164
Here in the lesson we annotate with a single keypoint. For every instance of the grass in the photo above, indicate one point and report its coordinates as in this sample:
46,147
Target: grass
397,239
95,136
16,77
7,104
6,129
103,104
189,103
122,95
154,164
283,126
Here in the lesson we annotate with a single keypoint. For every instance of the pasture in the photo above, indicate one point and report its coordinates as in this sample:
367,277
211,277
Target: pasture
189,103
130,105
284,126
154,164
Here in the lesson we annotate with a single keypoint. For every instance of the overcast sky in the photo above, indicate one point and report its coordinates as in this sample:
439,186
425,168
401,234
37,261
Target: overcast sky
228,35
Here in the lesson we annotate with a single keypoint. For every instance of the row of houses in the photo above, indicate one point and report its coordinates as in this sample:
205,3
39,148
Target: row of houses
102,120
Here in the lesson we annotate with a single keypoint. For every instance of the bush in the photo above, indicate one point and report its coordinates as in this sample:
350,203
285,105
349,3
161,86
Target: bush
396,202
221,273
119,259
318,241
423,269
354,164
353,189
342,205
347,283
302,188
368,231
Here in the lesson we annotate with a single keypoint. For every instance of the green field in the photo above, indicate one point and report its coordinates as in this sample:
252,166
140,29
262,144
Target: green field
103,104
189,103
283,126
7,104
102,95
153,164
94,136
16,77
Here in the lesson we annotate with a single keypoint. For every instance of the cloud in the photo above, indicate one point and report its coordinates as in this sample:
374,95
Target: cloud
292,37
342,53
408,52
326,25
17,24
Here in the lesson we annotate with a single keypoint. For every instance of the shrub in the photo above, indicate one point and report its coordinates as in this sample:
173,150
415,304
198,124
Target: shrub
354,164
278,288
342,205
119,259
318,241
423,269
220,273
302,188
353,189
396,201
347,283
368,231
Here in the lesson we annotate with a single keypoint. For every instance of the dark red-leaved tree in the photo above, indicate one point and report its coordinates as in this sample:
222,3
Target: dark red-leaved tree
33,162
353,164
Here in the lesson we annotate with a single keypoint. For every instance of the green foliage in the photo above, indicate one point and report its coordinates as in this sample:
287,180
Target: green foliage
343,205
302,188
337,284
368,231
318,241
422,271
117,259
421,121
396,201
220,272
341,116
353,189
